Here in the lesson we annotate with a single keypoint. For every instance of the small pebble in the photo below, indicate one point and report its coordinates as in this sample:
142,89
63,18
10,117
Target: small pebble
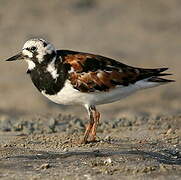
108,161
44,166
169,132
163,168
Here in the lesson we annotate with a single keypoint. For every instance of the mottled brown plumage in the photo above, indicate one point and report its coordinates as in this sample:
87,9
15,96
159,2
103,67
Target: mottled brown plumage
90,73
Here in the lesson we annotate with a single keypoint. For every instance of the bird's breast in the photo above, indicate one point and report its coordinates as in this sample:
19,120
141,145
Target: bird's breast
44,81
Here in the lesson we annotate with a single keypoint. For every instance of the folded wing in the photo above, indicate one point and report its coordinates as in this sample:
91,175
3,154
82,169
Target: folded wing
90,73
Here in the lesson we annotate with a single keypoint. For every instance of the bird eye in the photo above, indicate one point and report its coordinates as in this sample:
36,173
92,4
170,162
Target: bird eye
33,48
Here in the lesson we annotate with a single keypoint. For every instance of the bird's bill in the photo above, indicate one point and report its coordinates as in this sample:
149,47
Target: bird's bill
18,56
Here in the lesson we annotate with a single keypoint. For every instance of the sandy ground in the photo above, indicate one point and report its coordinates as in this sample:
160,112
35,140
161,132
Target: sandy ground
138,138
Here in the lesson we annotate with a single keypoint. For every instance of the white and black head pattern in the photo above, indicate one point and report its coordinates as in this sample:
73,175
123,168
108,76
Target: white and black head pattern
45,67
38,51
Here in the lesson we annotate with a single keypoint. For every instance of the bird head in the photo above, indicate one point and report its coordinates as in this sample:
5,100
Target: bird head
36,52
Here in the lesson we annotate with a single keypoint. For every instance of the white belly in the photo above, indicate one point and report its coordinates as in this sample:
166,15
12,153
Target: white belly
70,96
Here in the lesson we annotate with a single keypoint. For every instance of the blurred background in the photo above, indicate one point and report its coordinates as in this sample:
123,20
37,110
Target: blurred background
138,33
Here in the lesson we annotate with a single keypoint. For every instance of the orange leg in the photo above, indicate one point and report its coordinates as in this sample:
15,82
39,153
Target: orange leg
94,116
94,127
89,126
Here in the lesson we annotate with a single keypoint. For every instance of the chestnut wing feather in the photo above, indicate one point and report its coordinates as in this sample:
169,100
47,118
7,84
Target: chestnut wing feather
89,72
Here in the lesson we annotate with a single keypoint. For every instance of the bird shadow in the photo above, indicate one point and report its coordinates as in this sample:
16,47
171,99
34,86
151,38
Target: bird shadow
164,157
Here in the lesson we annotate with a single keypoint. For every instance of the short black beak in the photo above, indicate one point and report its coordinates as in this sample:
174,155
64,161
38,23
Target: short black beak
18,56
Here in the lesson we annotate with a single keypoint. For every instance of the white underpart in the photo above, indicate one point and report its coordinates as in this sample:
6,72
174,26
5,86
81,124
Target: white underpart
53,71
31,64
70,96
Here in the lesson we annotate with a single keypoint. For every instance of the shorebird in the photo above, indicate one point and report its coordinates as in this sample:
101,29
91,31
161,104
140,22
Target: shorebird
78,78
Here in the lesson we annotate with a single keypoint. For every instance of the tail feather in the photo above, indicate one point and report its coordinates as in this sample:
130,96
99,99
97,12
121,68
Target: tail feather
164,74
152,72
159,80
153,75
159,70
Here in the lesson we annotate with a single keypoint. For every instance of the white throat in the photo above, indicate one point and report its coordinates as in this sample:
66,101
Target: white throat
31,64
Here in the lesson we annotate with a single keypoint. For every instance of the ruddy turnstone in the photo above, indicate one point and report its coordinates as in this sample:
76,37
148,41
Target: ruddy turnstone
77,78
